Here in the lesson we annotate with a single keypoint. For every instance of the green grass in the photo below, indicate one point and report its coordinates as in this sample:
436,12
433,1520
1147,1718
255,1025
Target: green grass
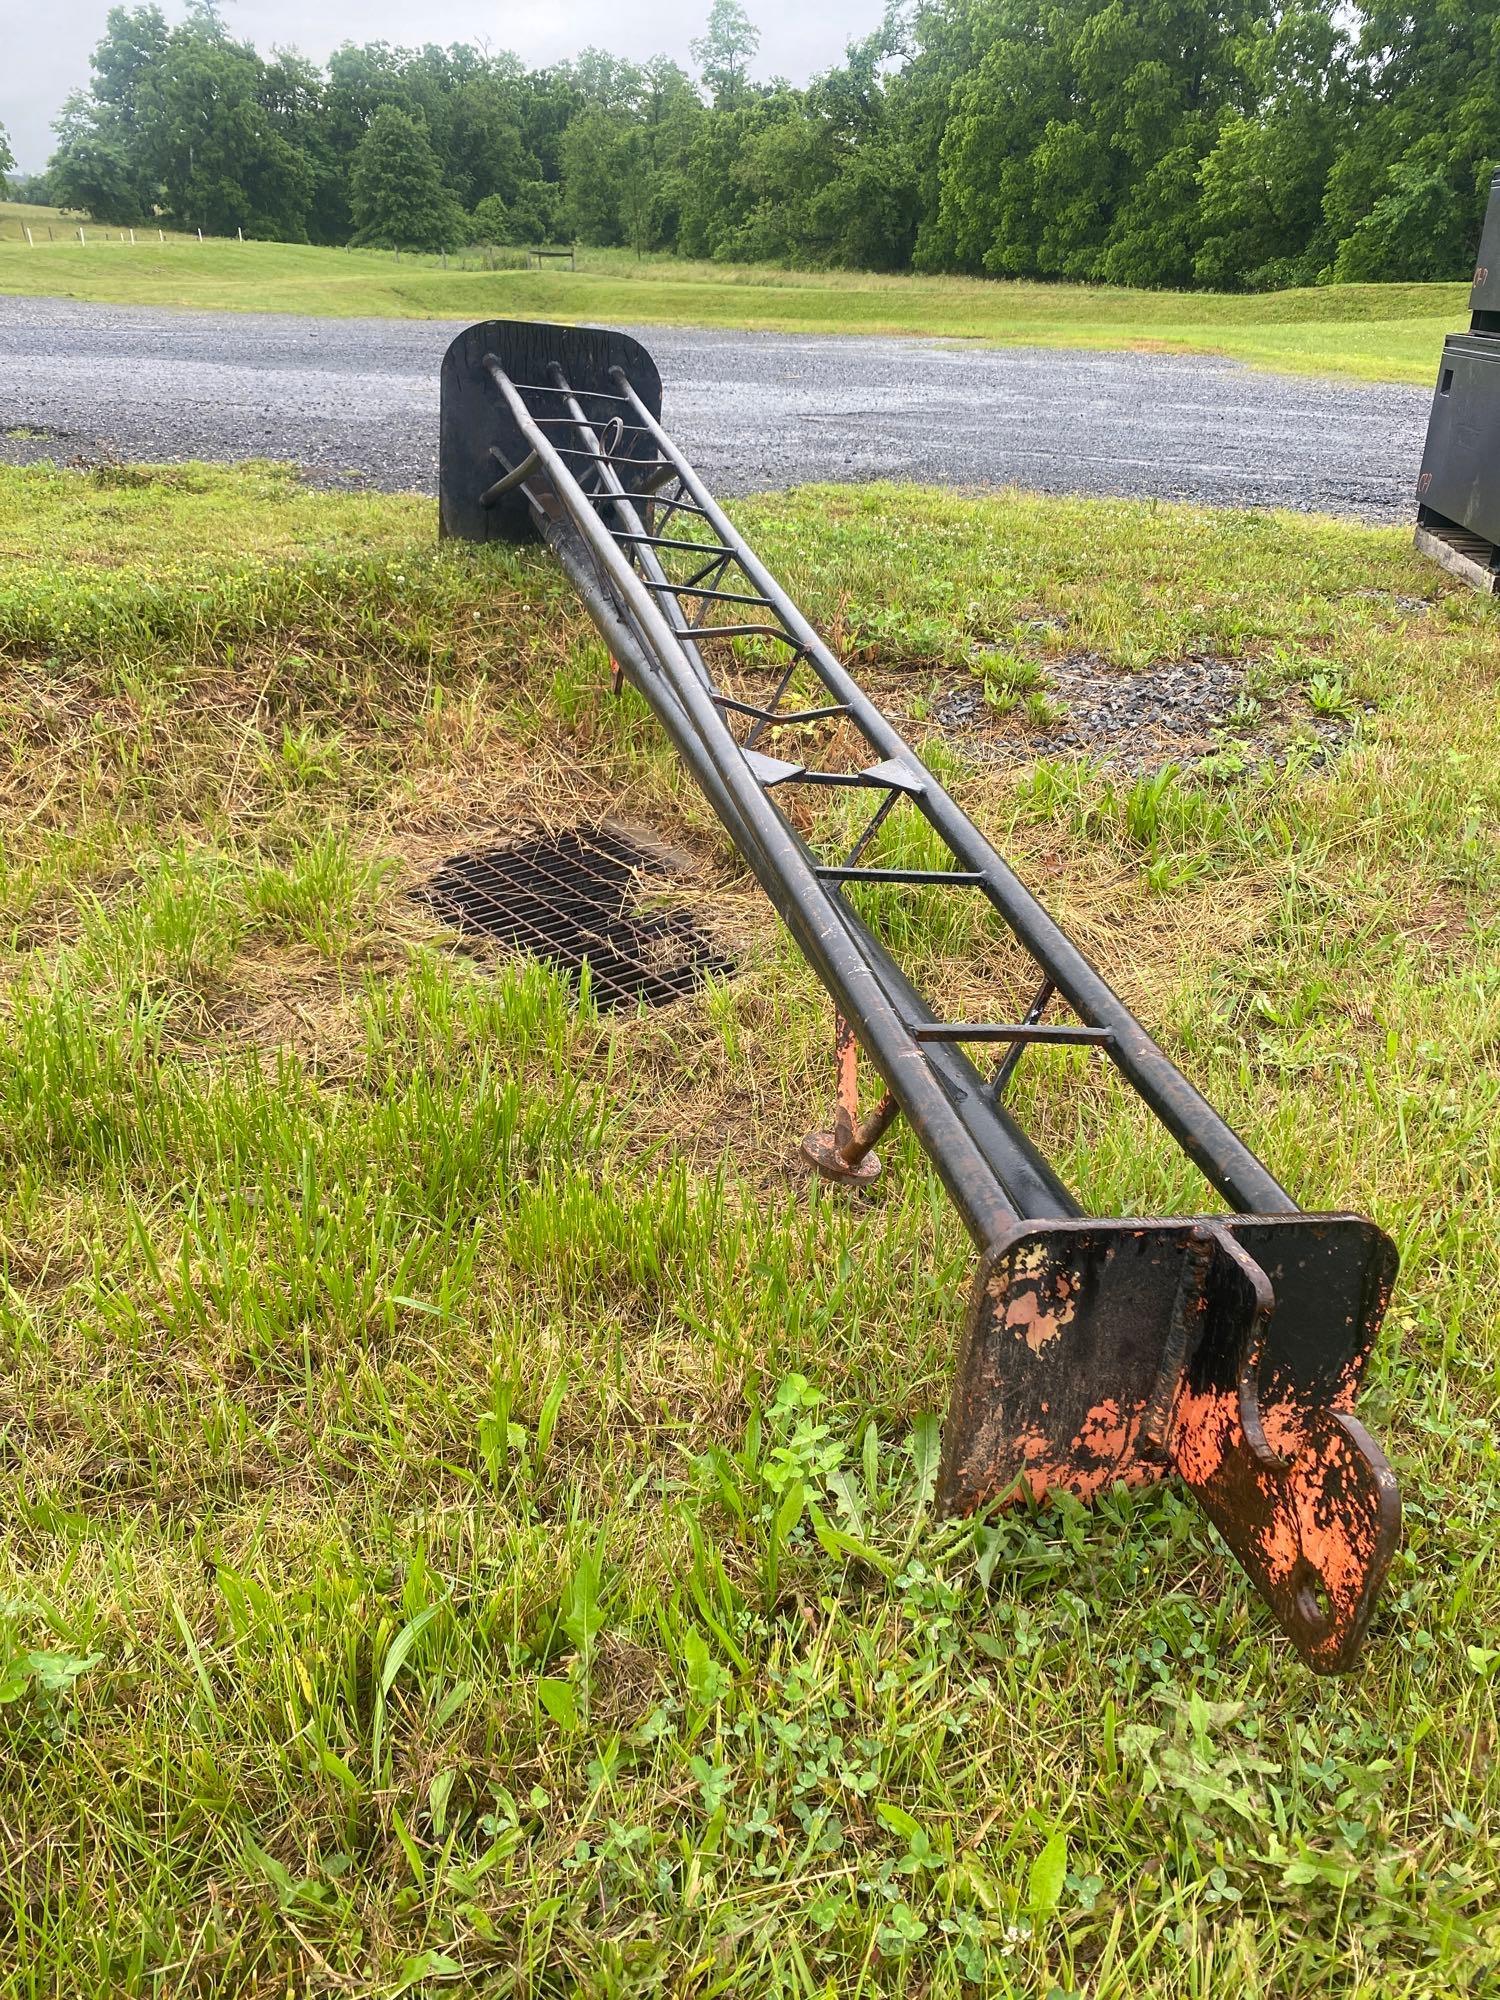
466,1519
1386,333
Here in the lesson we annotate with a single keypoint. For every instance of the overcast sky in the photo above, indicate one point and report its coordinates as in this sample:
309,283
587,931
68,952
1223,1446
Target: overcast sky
44,49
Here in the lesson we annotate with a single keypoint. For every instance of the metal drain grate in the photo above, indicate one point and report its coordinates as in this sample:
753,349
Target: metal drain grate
576,897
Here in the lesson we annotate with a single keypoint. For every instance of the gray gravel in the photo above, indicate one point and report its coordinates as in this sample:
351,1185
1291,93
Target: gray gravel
355,401
1133,721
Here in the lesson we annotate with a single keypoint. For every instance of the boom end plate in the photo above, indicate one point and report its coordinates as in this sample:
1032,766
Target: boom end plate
478,438
1227,1350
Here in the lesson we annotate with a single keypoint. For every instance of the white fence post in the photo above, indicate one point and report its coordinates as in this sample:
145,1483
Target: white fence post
82,238
29,244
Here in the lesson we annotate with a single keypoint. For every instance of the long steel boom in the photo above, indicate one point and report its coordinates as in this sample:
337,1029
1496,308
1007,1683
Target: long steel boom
1227,1349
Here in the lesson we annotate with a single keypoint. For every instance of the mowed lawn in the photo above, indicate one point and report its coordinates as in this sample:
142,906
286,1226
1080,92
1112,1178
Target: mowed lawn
1389,333
466,1524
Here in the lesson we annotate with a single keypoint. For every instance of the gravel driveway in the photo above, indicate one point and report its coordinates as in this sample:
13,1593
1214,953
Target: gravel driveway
356,401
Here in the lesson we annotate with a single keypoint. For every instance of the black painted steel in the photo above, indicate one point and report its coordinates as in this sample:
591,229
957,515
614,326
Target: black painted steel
1458,487
476,441
1167,1318
1484,299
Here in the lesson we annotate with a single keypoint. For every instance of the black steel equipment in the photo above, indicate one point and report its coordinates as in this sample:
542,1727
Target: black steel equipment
1458,488
1226,1349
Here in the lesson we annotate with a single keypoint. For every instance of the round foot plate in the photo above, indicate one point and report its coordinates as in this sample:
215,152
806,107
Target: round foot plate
822,1149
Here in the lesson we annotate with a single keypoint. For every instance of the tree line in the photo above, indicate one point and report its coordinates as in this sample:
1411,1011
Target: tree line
1241,144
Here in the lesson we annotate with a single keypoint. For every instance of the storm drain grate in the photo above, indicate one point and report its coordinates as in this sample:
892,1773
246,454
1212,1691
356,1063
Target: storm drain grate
577,897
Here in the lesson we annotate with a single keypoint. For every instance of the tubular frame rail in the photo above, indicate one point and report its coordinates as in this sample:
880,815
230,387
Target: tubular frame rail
1227,1349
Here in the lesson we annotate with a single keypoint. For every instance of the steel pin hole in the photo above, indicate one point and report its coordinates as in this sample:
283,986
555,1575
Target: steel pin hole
1447,382
1315,1605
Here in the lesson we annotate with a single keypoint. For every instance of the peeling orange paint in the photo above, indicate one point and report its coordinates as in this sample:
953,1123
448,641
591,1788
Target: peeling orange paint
1105,1433
1207,1422
1029,1320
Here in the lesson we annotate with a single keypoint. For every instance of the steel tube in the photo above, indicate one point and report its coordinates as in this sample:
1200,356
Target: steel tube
995,1173
508,481
787,874
1026,1178
1204,1136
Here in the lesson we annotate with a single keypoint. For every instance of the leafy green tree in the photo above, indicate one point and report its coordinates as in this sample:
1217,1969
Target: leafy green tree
864,205
637,203
1418,228
1074,141
1406,193
396,188
7,157
536,212
127,66
672,117
725,52
593,166
1262,185
106,163
491,219
1148,142
94,170
223,163
293,94
35,189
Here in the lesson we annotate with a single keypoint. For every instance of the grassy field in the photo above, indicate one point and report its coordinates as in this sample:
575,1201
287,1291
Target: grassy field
466,1524
1389,333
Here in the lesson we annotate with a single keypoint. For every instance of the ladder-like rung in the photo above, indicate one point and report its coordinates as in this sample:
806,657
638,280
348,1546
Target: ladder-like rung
890,776
701,590
779,717
745,632
1009,1031
564,389
710,549
571,422
864,781
613,458
629,499
964,877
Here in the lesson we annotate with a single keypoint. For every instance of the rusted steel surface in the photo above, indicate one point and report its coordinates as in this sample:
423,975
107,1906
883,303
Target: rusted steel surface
846,1153
1225,1351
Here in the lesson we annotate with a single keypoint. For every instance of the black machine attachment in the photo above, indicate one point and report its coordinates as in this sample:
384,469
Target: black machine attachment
1225,1349
1458,488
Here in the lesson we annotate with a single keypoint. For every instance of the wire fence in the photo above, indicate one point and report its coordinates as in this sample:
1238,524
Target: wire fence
67,234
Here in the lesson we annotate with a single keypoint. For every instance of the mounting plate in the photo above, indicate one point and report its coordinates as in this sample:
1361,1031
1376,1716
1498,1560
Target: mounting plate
476,421
1226,1349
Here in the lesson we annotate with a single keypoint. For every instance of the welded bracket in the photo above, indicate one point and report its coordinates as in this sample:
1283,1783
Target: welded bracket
846,1151
1225,1350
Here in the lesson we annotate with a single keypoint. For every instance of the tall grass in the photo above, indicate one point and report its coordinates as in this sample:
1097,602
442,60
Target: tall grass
468,1517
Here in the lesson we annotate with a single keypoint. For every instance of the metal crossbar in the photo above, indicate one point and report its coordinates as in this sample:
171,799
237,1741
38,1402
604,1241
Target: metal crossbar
1224,1348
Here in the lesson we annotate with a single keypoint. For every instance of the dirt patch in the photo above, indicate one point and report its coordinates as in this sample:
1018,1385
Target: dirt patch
1182,711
